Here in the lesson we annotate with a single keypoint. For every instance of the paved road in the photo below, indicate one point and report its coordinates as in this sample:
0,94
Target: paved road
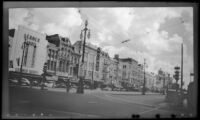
26,102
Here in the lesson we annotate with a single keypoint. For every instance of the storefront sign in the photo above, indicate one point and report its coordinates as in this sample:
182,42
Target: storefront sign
32,38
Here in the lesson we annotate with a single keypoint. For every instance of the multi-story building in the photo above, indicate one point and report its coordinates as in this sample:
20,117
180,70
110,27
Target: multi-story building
96,64
10,45
56,51
129,72
88,69
30,46
62,60
105,64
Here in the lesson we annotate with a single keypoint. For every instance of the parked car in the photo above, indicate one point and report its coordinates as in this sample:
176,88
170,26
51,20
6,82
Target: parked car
13,82
25,82
107,89
35,83
49,84
73,86
86,87
60,85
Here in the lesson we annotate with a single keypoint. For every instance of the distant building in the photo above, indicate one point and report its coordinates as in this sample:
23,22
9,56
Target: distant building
130,73
150,80
163,80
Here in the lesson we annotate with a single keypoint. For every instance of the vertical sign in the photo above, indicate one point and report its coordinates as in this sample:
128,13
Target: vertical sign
98,59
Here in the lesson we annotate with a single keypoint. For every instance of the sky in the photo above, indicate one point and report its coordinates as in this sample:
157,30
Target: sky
155,33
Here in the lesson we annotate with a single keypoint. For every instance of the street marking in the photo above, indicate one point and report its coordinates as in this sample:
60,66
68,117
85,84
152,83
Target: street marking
130,101
157,108
72,113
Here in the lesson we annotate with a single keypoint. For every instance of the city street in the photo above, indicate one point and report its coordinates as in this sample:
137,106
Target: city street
32,102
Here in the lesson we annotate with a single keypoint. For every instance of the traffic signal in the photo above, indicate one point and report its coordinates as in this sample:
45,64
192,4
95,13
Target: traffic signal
45,68
176,76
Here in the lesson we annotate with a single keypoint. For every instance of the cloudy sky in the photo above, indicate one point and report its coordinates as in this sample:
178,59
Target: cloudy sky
155,34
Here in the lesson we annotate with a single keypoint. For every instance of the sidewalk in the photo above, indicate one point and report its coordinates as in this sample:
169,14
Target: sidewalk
88,91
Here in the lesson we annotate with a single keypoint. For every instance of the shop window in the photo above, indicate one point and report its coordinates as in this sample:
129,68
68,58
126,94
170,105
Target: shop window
10,64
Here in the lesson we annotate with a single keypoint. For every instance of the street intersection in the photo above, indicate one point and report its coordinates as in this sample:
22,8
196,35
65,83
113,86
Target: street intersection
56,103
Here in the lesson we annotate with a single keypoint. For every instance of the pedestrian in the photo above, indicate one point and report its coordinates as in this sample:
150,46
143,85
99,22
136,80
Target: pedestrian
68,85
42,81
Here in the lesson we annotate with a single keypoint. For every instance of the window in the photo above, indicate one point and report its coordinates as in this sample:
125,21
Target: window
25,55
52,65
124,66
33,60
52,56
60,66
49,53
66,67
55,66
48,64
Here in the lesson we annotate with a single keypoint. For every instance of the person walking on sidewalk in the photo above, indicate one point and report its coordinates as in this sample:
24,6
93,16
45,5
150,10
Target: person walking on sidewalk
67,85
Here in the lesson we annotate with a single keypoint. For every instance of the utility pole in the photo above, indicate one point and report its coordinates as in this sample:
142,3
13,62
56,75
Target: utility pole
21,69
143,90
181,72
80,88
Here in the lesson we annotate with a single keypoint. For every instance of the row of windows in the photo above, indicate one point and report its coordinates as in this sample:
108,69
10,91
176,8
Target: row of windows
53,54
51,65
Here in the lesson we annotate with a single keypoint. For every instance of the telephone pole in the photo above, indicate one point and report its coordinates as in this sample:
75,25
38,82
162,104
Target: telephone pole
143,90
80,88
22,61
181,72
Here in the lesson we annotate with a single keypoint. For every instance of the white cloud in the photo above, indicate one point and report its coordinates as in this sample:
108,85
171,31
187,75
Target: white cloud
49,20
123,16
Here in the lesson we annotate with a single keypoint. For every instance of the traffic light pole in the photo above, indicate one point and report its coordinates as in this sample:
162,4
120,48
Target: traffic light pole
43,75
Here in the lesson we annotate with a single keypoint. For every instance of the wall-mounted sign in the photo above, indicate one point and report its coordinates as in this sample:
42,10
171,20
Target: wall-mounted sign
31,37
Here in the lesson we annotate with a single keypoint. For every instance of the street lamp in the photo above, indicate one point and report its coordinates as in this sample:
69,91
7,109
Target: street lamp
143,90
22,61
80,88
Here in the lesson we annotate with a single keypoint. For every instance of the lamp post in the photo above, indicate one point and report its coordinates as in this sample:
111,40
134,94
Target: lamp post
143,90
22,61
80,88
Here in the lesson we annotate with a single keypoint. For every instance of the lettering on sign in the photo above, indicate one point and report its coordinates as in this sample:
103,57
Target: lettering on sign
31,43
31,37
